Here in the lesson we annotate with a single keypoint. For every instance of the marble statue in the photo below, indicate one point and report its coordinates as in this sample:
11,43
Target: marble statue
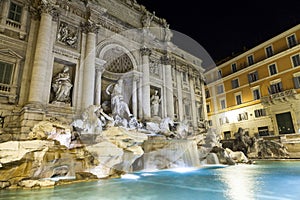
61,85
66,35
182,129
146,19
155,102
120,109
92,120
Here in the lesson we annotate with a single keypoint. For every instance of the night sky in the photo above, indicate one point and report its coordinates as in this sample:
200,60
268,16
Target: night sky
227,27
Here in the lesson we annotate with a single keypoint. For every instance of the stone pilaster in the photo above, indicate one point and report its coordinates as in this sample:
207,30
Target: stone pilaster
40,62
4,15
135,80
88,88
166,61
179,92
99,70
146,52
193,101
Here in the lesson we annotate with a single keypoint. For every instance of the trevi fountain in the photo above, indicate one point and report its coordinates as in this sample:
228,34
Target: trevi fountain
102,105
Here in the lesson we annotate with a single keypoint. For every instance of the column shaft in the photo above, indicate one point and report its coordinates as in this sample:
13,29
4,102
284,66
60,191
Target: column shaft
146,83
134,97
40,60
88,88
193,102
179,89
169,91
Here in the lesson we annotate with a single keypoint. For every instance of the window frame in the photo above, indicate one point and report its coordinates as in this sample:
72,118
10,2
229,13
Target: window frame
250,61
234,69
290,45
223,106
15,12
267,52
269,69
236,100
253,93
250,76
235,83
298,60
220,86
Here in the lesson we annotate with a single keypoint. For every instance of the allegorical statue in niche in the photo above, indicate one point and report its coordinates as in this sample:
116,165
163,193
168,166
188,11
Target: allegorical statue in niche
155,101
61,85
119,107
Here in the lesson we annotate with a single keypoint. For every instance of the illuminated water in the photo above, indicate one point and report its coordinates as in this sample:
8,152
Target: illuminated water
263,180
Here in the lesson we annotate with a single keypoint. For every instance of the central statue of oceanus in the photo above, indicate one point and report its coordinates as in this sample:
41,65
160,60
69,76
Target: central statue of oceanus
120,109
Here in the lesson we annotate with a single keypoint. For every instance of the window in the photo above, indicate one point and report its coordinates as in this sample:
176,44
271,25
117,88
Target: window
263,131
210,122
296,60
235,83
223,120
238,99
187,109
256,94
223,104
269,51
220,89
297,81
184,77
15,12
260,112
291,41
250,60
233,67
219,73
227,135
207,94
276,88
252,77
5,73
242,116
1,121
272,69
208,108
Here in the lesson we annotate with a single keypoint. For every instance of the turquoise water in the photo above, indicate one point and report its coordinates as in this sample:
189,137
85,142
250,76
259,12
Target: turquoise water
263,180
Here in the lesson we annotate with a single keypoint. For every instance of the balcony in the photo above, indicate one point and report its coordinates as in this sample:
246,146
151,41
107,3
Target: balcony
8,91
279,97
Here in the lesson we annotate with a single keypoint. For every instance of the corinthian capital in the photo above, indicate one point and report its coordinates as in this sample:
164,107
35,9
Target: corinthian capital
90,27
145,51
166,60
48,6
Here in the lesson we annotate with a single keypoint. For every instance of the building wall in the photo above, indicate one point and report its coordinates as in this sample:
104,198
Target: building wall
286,100
37,51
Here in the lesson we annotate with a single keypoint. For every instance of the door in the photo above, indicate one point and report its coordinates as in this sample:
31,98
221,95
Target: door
285,123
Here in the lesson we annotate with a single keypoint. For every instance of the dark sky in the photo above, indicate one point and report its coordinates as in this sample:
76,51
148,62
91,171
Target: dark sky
226,27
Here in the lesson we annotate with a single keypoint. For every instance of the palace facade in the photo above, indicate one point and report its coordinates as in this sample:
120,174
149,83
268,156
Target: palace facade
258,90
59,57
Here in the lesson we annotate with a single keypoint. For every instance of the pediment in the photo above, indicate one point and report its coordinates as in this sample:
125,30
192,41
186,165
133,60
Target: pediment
10,53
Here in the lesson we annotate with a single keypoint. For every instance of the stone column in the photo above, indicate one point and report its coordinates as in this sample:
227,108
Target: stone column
204,110
40,63
166,61
88,88
140,98
135,79
146,52
193,101
24,22
4,13
99,71
179,89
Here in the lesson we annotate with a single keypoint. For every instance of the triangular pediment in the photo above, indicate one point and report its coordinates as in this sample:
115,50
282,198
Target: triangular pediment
10,53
